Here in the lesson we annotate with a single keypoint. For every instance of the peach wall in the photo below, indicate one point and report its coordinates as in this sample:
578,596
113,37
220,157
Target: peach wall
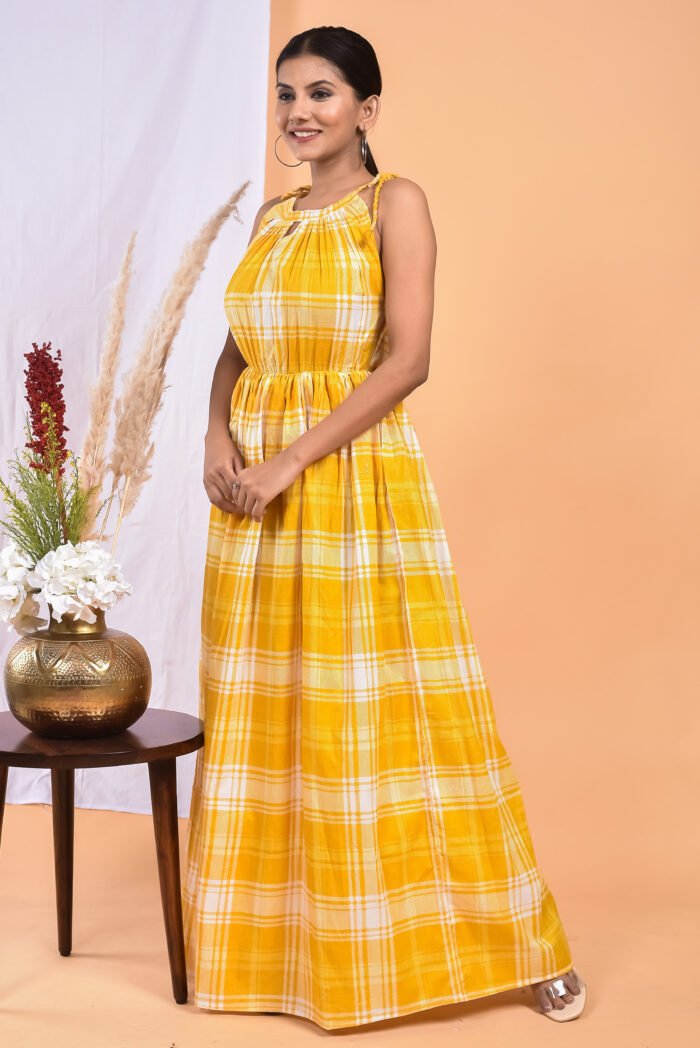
559,422
557,145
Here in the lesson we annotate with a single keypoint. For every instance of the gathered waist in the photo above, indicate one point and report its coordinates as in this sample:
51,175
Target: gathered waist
279,373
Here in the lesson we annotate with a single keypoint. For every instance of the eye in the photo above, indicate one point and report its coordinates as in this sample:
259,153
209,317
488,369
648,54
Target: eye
283,95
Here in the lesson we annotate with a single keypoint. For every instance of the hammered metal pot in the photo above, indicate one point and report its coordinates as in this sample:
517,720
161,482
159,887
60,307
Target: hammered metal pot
77,680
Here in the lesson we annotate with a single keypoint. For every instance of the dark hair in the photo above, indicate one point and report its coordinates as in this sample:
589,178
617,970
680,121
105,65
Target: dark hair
350,53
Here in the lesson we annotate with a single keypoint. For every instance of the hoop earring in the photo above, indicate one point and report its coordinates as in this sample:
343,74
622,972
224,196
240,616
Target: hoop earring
363,149
284,161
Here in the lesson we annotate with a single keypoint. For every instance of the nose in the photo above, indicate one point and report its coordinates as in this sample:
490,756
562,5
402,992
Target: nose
298,114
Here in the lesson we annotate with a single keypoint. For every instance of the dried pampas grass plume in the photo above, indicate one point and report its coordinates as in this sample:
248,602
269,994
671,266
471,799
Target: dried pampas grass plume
92,460
142,396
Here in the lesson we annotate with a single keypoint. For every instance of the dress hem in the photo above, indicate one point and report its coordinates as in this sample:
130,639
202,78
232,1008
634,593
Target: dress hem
410,1009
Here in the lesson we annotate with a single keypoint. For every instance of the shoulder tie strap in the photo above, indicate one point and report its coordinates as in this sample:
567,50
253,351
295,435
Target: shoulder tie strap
375,205
293,192
305,188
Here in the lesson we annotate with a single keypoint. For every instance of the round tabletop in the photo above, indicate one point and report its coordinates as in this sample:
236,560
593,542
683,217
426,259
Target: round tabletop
157,734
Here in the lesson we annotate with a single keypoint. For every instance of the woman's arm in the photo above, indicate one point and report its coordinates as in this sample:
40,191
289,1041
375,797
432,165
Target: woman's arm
228,370
409,253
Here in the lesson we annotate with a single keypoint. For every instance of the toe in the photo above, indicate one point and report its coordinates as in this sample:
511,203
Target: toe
571,981
543,998
547,996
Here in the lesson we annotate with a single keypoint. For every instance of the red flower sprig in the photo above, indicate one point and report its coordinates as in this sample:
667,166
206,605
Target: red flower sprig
44,386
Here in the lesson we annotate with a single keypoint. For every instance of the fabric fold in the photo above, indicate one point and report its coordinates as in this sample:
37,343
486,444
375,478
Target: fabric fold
358,847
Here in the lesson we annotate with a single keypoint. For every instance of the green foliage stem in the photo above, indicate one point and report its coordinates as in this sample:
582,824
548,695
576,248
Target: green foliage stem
45,510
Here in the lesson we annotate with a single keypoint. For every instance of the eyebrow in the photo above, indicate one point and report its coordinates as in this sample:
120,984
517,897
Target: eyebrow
314,84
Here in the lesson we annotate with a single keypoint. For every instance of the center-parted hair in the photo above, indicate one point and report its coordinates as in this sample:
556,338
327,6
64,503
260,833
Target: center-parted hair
350,53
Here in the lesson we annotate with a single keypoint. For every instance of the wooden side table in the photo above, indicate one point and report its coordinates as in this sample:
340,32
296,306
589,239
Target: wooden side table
158,738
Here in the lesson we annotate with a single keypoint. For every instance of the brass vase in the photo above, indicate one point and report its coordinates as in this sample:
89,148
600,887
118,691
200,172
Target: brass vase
77,680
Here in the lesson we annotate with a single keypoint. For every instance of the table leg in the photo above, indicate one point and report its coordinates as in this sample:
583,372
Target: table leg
164,803
62,797
3,789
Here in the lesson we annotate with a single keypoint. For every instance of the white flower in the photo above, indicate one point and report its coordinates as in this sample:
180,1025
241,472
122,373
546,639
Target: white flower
74,579
26,620
15,566
12,557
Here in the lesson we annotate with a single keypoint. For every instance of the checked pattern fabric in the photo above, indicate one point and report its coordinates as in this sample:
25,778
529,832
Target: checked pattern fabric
357,843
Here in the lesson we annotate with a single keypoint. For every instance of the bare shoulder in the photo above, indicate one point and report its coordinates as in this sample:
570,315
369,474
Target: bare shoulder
262,211
403,193
403,213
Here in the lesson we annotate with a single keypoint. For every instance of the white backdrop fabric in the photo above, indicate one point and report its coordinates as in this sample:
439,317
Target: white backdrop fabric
115,117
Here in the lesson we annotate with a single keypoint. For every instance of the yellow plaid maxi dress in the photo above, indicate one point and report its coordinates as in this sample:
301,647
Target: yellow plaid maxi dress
357,844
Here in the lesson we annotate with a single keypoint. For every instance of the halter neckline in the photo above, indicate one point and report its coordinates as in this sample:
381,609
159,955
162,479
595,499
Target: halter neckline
289,198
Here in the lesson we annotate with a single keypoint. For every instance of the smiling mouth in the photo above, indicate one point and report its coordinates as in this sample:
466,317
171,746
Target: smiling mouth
304,135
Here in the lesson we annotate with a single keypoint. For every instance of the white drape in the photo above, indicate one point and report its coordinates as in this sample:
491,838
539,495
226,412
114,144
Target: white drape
115,117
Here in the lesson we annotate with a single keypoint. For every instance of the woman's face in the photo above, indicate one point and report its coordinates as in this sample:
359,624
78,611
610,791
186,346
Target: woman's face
312,95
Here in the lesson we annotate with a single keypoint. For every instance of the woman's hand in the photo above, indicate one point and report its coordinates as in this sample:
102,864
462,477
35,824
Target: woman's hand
259,484
222,461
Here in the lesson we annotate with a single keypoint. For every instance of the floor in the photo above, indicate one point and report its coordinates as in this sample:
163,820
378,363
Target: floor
631,942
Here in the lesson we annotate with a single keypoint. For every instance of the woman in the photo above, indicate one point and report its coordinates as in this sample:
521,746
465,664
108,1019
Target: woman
357,845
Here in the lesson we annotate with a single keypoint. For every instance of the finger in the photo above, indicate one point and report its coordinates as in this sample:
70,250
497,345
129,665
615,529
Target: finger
251,506
213,494
236,458
258,510
226,478
224,492
238,463
238,496
229,477
222,505
224,498
216,487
